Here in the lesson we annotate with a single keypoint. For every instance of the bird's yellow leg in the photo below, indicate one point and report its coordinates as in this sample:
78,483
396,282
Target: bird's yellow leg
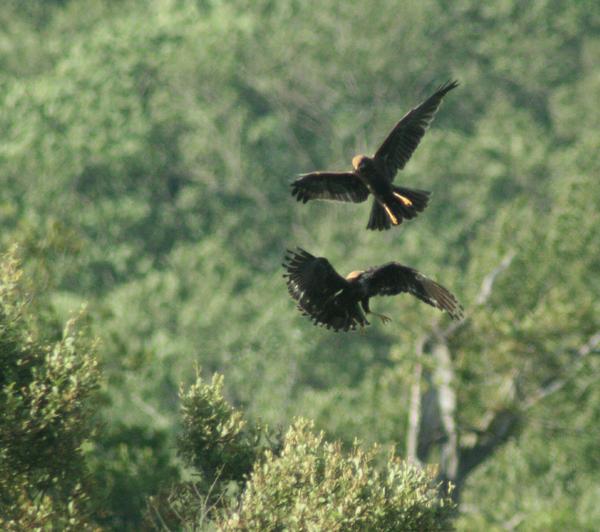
403,199
384,319
391,215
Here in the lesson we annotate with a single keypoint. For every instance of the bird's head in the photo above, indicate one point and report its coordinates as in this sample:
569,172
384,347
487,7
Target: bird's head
360,162
352,276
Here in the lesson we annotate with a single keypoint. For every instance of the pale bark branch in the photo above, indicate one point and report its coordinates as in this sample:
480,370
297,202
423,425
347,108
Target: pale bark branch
455,463
444,379
557,384
414,413
485,292
458,462
514,521
161,420
504,423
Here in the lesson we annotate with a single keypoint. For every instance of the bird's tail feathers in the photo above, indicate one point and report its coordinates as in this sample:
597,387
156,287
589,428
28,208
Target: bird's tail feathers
402,203
413,200
378,220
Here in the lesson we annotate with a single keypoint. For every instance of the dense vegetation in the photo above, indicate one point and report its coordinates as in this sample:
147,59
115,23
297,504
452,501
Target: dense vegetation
145,158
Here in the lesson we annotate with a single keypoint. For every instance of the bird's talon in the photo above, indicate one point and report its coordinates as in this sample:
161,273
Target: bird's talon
384,319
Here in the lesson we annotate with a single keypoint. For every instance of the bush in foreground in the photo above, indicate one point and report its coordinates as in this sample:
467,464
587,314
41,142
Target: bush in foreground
46,387
251,480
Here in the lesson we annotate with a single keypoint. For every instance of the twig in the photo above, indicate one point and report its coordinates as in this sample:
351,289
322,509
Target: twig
161,521
487,285
162,420
557,384
485,292
514,521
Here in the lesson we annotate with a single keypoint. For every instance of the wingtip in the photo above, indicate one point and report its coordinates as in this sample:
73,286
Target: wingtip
449,85
293,254
459,313
456,311
296,192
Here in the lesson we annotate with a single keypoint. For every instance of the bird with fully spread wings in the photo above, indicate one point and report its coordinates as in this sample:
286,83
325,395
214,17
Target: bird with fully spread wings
340,303
375,175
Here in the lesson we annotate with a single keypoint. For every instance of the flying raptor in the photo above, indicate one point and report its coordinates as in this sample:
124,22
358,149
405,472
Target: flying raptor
375,175
339,303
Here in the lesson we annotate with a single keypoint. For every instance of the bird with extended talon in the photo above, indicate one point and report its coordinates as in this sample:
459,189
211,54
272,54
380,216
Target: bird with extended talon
339,303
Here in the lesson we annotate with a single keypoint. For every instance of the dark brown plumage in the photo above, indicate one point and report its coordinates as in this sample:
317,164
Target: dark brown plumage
340,303
374,175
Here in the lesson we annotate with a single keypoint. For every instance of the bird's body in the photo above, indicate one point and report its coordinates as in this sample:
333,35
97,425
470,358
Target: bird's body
341,303
375,175
392,203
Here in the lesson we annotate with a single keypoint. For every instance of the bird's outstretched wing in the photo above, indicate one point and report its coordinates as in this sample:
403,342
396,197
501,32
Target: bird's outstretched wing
311,280
336,315
394,278
339,186
403,140
314,284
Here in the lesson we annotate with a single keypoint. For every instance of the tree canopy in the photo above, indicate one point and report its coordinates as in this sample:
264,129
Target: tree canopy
146,155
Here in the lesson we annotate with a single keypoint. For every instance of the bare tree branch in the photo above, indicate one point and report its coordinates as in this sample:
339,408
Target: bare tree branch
160,419
514,521
487,285
485,292
556,384
443,377
503,424
455,462
414,413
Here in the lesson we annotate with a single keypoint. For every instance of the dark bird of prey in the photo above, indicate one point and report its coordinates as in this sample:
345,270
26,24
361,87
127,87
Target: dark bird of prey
374,175
335,302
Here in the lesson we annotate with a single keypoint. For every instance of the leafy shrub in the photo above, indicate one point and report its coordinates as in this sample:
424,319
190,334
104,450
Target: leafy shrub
46,390
315,485
216,440
301,483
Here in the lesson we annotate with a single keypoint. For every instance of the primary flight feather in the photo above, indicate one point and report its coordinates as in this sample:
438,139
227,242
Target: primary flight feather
375,175
340,303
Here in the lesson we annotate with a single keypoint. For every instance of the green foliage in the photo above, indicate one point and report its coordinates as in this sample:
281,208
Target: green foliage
46,394
145,158
215,440
301,483
220,449
315,485
127,464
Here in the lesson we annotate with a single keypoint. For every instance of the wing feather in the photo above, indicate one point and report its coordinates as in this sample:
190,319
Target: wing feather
315,286
394,278
311,280
403,140
338,186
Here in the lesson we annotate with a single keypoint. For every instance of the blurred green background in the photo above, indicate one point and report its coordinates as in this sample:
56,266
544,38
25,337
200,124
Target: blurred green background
146,152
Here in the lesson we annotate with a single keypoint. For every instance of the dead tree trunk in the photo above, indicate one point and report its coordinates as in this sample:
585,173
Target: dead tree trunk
433,426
